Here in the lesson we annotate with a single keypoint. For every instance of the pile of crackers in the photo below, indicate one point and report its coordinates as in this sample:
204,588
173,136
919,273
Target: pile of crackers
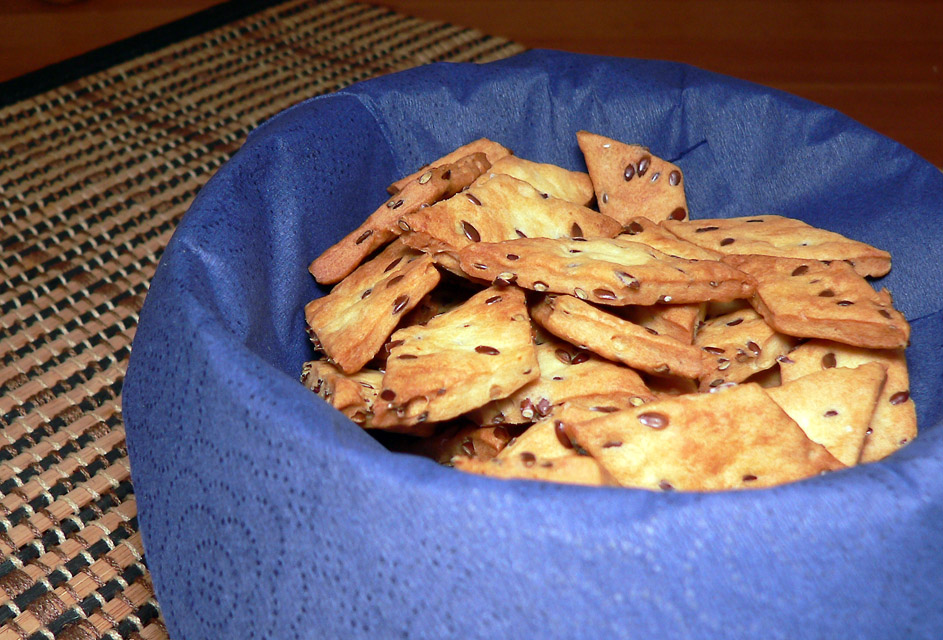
519,320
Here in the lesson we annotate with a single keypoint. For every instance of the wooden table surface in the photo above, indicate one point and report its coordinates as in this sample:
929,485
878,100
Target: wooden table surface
880,62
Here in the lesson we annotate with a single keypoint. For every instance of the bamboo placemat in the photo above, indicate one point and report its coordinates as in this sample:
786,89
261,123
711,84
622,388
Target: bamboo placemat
94,177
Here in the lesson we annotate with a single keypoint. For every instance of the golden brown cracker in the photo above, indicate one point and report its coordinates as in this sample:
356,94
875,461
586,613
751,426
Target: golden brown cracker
572,186
353,395
381,226
581,470
565,372
351,323
894,422
458,361
640,229
813,299
607,271
493,152
736,438
678,321
769,235
834,406
630,180
615,339
500,208
738,345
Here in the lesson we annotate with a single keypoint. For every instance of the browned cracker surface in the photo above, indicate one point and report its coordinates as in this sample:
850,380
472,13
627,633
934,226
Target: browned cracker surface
813,299
778,236
478,352
733,439
631,181
894,422
351,323
608,271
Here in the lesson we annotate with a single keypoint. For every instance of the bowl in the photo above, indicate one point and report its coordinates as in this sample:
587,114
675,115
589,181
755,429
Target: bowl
267,514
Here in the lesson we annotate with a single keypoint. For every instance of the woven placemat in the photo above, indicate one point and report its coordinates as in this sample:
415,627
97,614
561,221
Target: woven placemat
94,177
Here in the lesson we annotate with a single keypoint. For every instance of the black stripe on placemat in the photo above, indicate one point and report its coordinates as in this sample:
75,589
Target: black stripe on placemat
59,73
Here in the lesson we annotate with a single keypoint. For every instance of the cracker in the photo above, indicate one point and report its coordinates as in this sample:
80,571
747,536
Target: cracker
591,406
813,299
353,395
458,361
639,229
630,180
738,345
608,271
894,423
615,339
678,321
572,186
351,323
565,372
734,439
670,386
500,208
834,406
493,152
544,439
473,441
581,470
779,236
380,228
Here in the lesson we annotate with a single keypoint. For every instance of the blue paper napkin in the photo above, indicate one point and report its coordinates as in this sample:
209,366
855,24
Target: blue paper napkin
266,514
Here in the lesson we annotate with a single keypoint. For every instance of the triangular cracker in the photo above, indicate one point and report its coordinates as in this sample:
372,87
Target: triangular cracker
738,345
572,186
733,439
607,271
894,422
380,228
834,406
813,299
500,208
778,236
616,339
460,360
351,323
630,180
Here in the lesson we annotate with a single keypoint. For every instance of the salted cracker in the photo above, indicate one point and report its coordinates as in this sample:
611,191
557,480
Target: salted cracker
678,321
736,438
834,406
353,394
351,323
579,470
572,186
894,423
500,208
616,339
493,151
458,361
380,227
771,235
565,372
656,235
814,299
738,345
630,180
602,270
